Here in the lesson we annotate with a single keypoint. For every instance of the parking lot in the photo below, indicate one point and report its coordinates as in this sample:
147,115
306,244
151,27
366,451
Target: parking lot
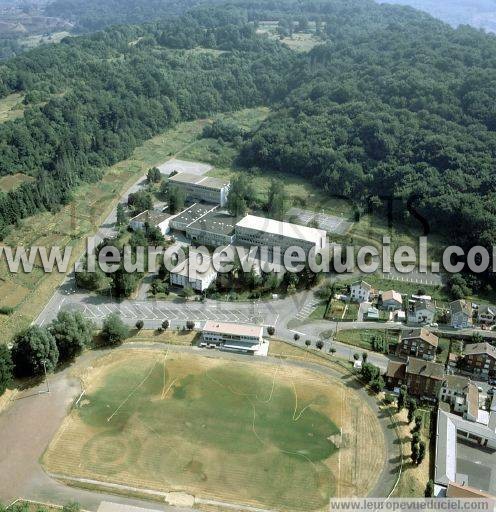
153,313
329,223
184,166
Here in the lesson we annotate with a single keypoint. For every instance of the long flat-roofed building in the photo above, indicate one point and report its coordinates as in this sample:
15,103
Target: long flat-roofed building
190,215
160,220
245,338
201,188
253,230
214,229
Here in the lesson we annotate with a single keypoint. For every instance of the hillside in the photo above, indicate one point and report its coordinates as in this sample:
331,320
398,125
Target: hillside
390,103
478,13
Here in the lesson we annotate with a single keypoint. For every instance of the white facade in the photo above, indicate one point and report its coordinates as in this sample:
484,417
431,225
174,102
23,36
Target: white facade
158,220
245,338
360,291
259,231
421,313
201,188
198,280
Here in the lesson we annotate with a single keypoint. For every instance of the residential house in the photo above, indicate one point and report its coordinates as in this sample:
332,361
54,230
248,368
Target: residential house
372,314
480,360
462,395
360,291
486,314
391,300
421,312
419,343
461,314
422,378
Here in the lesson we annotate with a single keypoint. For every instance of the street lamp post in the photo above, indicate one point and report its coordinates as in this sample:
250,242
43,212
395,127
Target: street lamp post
46,376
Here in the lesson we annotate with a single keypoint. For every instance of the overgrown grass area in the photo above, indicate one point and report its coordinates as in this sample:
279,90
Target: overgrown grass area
170,336
413,478
12,181
342,311
164,421
363,338
11,107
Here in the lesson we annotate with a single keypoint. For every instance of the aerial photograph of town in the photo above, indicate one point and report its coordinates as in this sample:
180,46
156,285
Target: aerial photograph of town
247,255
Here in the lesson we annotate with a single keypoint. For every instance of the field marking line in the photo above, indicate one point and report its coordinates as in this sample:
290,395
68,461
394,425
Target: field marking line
165,379
132,392
164,394
296,418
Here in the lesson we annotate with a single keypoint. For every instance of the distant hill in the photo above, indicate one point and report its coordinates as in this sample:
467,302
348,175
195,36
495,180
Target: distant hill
478,13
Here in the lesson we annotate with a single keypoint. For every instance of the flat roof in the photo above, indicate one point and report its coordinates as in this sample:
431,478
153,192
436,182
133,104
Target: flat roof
193,213
285,229
233,329
219,222
152,217
194,179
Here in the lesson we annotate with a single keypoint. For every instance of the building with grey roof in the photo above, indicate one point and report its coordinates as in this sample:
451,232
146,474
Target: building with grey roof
214,229
201,188
190,215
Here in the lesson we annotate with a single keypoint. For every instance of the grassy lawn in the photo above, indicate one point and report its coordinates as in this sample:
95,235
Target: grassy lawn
171,336
12,181
11,107
414,478
362,338
342,311
319,312
163,422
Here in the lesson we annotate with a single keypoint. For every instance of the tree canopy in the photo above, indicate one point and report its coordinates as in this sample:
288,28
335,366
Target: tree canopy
34,349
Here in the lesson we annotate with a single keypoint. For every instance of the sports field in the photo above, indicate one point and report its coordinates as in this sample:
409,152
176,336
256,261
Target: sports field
268,435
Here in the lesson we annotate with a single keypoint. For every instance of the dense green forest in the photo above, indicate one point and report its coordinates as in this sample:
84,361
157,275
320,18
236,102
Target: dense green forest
91,15
110,91
393,103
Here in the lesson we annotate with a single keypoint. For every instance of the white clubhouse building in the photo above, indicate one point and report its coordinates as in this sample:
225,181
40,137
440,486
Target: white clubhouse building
244,338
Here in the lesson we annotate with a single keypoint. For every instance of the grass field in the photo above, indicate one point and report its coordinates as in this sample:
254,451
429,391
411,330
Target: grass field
12,181
265,435
11,107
